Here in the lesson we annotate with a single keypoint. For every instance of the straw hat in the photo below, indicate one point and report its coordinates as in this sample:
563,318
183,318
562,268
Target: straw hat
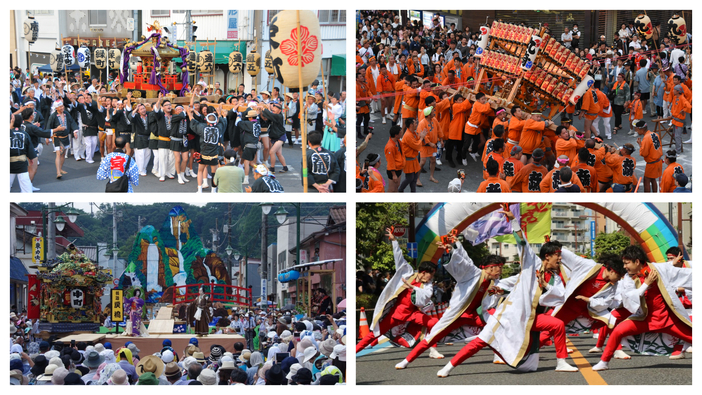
150,363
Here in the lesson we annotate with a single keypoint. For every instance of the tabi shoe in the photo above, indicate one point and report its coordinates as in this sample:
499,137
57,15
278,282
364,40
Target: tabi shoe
438,162
180,179
162,179
497,360
689,349
474,155
619,354
688,141
246,180
445,371
677,352
677,355
595,350
562,366
35,189
465,162
204,184
569,350
402,364
435,354
385,120
602,365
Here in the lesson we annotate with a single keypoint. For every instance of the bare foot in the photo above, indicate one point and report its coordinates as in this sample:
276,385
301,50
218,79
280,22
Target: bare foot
434,180
64,172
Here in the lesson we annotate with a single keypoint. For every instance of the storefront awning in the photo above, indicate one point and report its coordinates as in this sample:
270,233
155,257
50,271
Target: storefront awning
338,65
221,50
17,270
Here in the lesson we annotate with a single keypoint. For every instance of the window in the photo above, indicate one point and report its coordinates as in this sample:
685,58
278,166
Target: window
206,12
332,16
157,13
98,17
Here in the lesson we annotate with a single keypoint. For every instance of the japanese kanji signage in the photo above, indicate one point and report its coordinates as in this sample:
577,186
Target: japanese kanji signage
117,304
37,249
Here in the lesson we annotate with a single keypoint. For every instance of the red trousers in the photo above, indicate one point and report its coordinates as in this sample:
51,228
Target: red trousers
470,320
630,328
388,323
567,316
621,314
542,322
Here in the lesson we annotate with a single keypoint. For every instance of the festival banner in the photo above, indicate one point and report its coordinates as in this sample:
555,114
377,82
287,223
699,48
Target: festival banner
535,221
33,300
37,249
117,303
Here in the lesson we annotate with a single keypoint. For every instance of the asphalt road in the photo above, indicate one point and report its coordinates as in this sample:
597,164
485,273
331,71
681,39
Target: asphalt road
376,366
474,175
81,176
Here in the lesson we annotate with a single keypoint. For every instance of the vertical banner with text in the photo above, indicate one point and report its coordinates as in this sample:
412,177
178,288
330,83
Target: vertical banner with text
117,304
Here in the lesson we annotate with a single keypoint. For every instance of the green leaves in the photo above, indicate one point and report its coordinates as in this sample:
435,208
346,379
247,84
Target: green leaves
372,247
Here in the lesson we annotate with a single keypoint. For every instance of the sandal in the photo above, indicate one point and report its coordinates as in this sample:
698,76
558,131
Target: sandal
64,172
58,176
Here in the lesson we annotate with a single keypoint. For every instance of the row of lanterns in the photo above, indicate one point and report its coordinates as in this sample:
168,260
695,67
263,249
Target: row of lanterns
281,59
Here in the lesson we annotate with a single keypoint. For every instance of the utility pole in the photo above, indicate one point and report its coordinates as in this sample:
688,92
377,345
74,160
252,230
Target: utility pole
114,239
189,23
139,224
51,233
264,257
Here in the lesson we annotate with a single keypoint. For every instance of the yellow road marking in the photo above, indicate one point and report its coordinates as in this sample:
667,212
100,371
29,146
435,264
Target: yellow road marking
592,377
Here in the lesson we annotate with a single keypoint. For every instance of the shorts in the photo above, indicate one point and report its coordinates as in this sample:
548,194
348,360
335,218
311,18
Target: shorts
282,138
60,141
177,146
249,154
206,162
262,135
527,156
645,96
395,172
109,132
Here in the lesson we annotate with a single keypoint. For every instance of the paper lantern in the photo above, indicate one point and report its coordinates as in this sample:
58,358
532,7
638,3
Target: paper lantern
56,61
253,63
69,55
677,29
530,55
235,62
100,56
580,90
205,61
268,63
192,62
113,58
284,40
31,30
83,57
134,63
482,41
643,26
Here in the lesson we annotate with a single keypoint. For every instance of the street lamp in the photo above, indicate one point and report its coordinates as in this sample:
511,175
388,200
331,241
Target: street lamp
60,224
266,207
280,215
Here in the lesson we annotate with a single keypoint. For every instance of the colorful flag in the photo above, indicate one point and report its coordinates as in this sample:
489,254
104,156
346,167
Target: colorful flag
491,225
536,223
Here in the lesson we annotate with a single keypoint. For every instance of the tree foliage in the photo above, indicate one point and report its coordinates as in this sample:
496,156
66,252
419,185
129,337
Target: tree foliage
611,243
372,248
245,219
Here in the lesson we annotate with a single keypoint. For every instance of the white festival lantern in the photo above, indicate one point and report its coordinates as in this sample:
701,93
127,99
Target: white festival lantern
482,41
582,87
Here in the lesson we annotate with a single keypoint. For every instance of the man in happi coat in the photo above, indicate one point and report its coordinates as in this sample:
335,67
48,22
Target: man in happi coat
473,288
645,290
508,330
402,299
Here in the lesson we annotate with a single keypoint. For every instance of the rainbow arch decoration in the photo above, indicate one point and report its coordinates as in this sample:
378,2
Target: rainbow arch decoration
643,221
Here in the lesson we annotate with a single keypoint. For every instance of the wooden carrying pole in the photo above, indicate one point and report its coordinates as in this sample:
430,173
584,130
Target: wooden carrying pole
302,124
